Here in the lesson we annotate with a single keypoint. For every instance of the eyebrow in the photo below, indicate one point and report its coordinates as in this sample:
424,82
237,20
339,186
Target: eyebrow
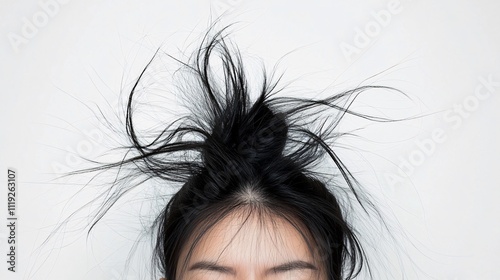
288,266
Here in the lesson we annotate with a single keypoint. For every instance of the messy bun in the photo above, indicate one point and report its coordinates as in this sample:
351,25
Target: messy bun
231,152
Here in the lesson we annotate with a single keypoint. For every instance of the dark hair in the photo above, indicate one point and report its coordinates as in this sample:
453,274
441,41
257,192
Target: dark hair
232,153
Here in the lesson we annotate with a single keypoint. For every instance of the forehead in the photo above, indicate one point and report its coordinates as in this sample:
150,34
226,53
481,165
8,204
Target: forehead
243,240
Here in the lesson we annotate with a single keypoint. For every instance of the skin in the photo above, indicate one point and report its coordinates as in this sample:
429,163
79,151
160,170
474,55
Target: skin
252,249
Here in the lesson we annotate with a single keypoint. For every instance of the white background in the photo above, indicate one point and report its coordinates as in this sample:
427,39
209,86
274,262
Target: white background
58,58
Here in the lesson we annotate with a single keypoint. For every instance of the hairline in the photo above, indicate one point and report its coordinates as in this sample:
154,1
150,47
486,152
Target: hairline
264,211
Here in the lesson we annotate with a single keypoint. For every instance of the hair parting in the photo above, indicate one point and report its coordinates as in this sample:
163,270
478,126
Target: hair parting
231,153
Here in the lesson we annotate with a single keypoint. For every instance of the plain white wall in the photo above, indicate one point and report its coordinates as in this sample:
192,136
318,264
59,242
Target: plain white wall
437,174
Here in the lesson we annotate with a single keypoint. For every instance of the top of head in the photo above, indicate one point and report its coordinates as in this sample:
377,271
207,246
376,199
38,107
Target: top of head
256,153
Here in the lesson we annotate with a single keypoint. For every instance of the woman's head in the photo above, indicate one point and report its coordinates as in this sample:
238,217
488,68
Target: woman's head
252,199
279,205
255,162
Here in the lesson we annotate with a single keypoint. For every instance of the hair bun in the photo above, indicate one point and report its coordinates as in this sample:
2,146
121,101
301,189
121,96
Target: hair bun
264,136
231,149
254,138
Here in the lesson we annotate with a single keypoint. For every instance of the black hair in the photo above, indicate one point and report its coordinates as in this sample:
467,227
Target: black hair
261,155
